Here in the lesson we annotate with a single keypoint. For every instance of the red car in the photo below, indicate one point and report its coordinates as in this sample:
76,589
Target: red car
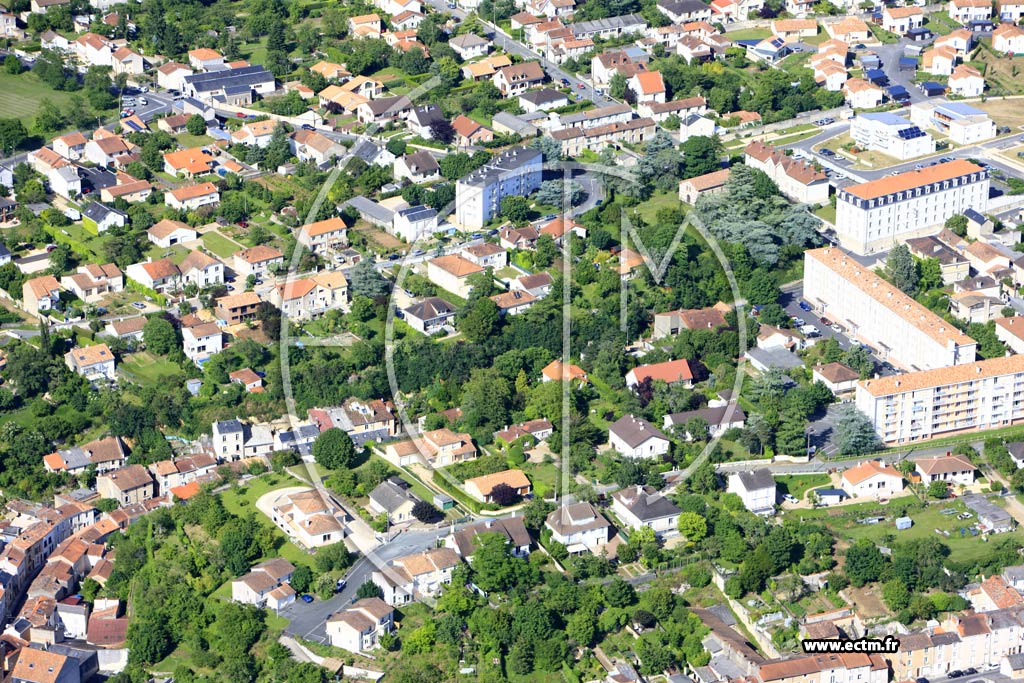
826,322
240,115
581,86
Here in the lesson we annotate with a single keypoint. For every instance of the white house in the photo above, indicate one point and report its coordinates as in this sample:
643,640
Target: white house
874,479
358,628
953,469
92,362
202,341
756,489
638,506
635,437
579,527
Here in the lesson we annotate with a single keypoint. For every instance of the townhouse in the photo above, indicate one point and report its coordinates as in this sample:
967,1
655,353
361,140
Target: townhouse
237,308
170,474
362,420
109,453
881,213
418,575
798,180
879,314
575,140
129,485
237,440
92,281
862,94
970,11
919,405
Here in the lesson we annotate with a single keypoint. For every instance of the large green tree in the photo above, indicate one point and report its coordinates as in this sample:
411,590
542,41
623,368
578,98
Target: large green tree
334,449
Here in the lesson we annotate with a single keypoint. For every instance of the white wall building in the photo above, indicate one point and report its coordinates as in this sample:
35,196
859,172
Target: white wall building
516,172
872,479
879,214
880,315
756,489
964,124
891,134
635,437
983,395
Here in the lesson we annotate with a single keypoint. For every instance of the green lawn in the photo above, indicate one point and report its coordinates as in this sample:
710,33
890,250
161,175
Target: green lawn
149,368
220,245
24,92
828,213
187,140
648,210
749,34
241,500
797,486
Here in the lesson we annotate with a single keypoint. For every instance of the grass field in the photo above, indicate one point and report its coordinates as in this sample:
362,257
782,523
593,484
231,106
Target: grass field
241,500
1003,112
797,486
1002,72
220,245
648,210
188,140
749,34
23,94
150,368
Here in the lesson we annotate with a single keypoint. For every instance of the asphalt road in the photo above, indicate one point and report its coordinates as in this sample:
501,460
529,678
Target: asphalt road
308,620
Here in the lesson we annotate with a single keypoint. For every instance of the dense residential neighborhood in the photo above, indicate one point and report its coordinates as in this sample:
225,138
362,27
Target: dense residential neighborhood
511,341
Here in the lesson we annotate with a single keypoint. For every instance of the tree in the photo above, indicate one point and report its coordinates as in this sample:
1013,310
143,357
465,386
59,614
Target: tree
855,435
902,270
693,526
196,125
12,65
334,449
159,336
425,512
302,578
938,489
701,155
504,495
864,562
859,359
480,321
957,224
516,209
369,590
49,118
495,569
12,135
618,593
278,150
442,131
365,280
617,85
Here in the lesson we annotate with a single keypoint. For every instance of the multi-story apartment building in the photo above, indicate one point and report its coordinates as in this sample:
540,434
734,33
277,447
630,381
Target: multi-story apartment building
516,172
798,180
892,134
880,315
921,405
881,213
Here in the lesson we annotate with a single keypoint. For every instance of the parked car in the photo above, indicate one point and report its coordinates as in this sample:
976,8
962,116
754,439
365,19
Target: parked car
809,331
826,152
340,586
826,322
789,498
139,305
306,598
143,101
835,327
956,673
581,86
798,321
804,306
240,115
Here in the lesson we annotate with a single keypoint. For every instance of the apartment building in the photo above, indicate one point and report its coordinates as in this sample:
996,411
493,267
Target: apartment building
920,405
879,214
829,668
880,315
964,124
892,134
514,173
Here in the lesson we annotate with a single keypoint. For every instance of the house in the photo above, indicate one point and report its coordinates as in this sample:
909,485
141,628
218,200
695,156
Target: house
237,308
464,541
579,527
900,20
104,455
393,497
513,302
358,628
421,120
383,110
321,235
683,11
266,585
970,11
862,94
170,75
255,134
201,270
874,479
166,233
309,518
248,378
310,297
939,61
954,265
192,197
961,41
70,146
439,447
799,180
417,575
544,99
188,163
839,378
556,371
515,79
469,132
794,30
92,49
94,362
418,167
533,431
486,255
991,517
161,276
648,86
452,273
366,26
258,261
469,46
98,218
93,281
770,50
756,489
431,315
709,183
309,145
670,372
638,506
36,665
719,417
966,81
1011,332
40,294
849,29
670,323
635,437
414,223
1010,10
202,341
205,59
127,188
127,61
482,488
953,469
518,238
128,329
128,485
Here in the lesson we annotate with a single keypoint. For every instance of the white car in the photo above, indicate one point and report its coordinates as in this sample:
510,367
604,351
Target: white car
789,498
835,327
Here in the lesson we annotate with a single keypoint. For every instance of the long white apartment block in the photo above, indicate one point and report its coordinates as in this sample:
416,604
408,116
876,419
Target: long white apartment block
515,172
985,394
880,315
878,215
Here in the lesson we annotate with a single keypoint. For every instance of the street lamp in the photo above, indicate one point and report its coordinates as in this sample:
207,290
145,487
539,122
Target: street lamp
807,450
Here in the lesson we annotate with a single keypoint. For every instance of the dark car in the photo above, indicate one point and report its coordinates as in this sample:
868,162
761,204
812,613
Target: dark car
394,257
306,598
970,672
826,322
307,126
956,673
804,306
826,152
921,680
